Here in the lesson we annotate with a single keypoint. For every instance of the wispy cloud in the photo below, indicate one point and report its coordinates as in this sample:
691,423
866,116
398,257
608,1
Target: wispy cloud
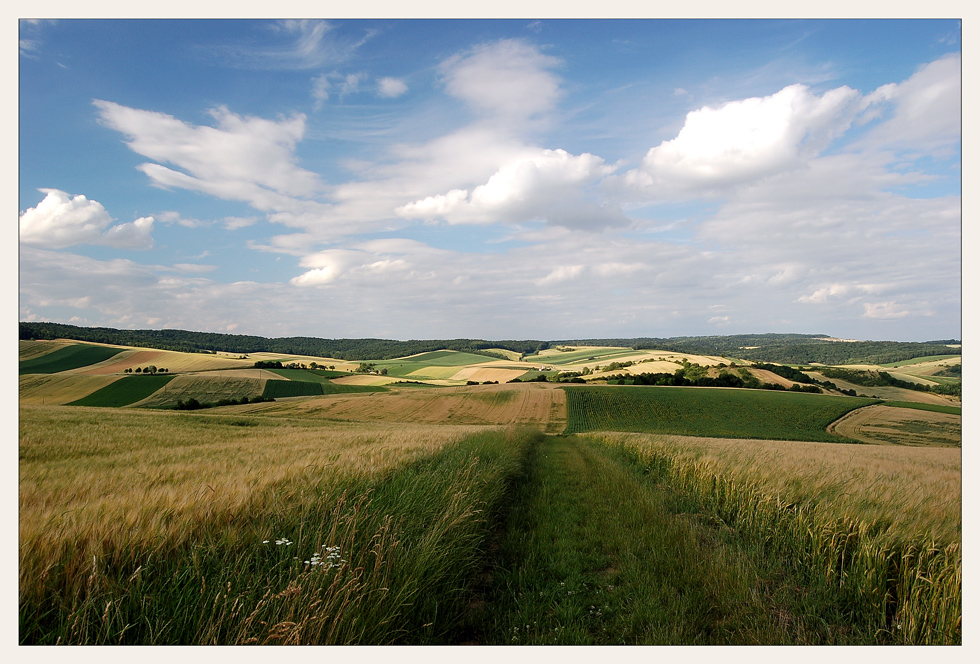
302,44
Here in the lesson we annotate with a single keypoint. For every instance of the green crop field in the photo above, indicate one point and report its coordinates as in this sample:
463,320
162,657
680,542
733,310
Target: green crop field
124,391
69,357
712,412
952,410
277,389
441,358
316,375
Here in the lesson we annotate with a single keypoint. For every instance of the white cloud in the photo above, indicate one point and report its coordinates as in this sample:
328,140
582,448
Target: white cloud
60,221
320,91
561,274
508,80
243,158
927,108
543,185
885,310
391,87
746,140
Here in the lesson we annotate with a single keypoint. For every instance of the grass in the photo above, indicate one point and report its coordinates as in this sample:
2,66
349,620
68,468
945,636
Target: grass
591,555
849,579
723,413
181,528
278,527
66,358
125,391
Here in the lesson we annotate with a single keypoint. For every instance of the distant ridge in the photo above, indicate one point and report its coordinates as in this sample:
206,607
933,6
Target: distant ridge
771,347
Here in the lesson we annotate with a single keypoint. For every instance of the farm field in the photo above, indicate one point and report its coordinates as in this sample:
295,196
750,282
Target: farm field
534,405
530,512
124,391
711,412
59,388
66,358
884,424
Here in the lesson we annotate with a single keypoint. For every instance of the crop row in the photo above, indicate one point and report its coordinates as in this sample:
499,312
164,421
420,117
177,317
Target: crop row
719,413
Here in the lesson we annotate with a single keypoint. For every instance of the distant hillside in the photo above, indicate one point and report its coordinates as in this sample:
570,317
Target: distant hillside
206,342
779,348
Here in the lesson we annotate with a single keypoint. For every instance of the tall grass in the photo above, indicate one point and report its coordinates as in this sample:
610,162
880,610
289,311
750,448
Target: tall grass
318,554
902,587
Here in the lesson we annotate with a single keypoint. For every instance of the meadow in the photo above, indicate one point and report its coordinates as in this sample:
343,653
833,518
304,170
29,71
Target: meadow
437,512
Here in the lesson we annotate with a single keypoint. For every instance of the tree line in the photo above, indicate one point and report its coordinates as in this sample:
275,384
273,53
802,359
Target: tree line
780,348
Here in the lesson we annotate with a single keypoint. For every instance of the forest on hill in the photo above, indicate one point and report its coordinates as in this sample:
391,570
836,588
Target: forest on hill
781,348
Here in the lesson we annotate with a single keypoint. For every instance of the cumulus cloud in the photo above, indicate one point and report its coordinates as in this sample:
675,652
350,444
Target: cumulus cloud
508,80
746,140
391,87
543,184
242,158
61,220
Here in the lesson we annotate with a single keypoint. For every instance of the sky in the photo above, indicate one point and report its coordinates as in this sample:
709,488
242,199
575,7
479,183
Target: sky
494,179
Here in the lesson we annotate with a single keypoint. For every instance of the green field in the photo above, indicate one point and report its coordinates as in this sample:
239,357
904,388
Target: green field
316,375
124,391
69,357
712,412
276,389
952,410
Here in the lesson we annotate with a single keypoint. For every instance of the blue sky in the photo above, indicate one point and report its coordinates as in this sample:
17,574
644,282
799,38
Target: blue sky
546,179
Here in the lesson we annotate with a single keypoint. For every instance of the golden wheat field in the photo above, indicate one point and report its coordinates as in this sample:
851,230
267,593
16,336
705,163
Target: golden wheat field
916,489
61,388
91,478
529,404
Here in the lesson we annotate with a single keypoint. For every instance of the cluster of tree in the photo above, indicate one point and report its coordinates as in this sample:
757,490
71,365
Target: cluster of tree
194,404
789,373
145,370
486,382
371,368
724,379
953,371
872,378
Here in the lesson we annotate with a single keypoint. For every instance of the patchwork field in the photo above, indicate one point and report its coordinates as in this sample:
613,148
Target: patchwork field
529,512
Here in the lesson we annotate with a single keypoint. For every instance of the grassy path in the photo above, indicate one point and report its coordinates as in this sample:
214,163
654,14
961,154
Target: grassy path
592,554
